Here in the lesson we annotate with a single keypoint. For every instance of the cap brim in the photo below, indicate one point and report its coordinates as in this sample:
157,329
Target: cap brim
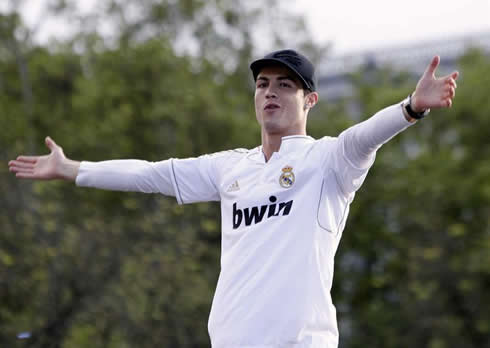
259,64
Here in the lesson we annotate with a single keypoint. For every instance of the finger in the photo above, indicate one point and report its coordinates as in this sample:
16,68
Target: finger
451,82
21,170
446,102
452,92
451,79
430,71
449,91
28,159
21,164
26,176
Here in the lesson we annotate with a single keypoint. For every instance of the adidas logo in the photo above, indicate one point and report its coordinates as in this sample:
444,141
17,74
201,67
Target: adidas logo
233,187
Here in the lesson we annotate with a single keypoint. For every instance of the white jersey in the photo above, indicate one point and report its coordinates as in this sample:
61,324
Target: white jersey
281,225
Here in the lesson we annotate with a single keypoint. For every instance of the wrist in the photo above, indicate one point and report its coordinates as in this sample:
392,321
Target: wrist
69,170
412,110
415,105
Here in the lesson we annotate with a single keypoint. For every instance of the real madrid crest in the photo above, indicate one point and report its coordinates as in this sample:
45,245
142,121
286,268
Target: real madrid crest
286,179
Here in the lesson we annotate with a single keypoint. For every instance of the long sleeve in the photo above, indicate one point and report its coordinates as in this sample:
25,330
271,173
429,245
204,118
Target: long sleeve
127,175
356,147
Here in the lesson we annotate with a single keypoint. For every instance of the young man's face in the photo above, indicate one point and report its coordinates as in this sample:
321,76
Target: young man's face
280,102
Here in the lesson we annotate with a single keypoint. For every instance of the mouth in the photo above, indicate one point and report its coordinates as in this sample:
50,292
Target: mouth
271,106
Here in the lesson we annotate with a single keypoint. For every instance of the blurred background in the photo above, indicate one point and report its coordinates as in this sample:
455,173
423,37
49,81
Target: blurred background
159,79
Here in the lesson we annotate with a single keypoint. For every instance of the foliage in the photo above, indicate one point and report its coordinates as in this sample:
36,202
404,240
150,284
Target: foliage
413,267
82,268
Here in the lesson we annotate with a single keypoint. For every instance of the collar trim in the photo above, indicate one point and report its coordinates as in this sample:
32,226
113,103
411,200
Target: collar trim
288,144
291,142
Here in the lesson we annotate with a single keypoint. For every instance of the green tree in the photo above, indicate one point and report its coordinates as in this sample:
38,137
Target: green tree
84,267
413,267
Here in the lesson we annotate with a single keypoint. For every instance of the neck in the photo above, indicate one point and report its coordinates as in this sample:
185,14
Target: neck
272,142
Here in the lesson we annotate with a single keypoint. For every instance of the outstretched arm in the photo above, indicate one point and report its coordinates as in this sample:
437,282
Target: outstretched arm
48,167
358,144
119,175
189,180
430,93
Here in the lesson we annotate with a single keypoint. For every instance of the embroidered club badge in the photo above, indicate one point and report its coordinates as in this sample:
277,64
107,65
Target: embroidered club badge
286,179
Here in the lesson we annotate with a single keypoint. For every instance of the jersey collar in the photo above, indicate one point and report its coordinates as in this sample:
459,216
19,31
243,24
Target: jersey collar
289,144
292,143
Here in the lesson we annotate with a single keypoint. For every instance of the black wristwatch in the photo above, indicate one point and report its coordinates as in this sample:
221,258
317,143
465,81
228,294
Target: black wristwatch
407,105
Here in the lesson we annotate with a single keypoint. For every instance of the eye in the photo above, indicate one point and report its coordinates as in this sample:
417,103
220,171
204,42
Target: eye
285,84
261,84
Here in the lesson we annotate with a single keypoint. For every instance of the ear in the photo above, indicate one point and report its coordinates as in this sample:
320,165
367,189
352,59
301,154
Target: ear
311,99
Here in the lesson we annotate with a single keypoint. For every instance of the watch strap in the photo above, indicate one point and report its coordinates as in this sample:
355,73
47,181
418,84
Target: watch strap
407,105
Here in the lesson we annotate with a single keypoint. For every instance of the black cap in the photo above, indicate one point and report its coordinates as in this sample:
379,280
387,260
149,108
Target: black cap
295,61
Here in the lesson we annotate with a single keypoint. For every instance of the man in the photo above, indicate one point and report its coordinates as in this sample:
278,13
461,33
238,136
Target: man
284,204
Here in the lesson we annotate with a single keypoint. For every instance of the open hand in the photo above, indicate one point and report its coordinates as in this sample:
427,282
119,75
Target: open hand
432,92
47,167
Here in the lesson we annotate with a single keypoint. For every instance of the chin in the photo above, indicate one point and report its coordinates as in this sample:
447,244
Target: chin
273,128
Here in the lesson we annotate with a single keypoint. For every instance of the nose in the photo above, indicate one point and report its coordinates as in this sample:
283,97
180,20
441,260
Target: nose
270,93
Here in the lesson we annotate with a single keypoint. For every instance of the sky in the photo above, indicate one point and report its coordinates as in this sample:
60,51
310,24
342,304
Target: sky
355,25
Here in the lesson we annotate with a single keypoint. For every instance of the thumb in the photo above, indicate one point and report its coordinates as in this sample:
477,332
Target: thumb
50,143
432,66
